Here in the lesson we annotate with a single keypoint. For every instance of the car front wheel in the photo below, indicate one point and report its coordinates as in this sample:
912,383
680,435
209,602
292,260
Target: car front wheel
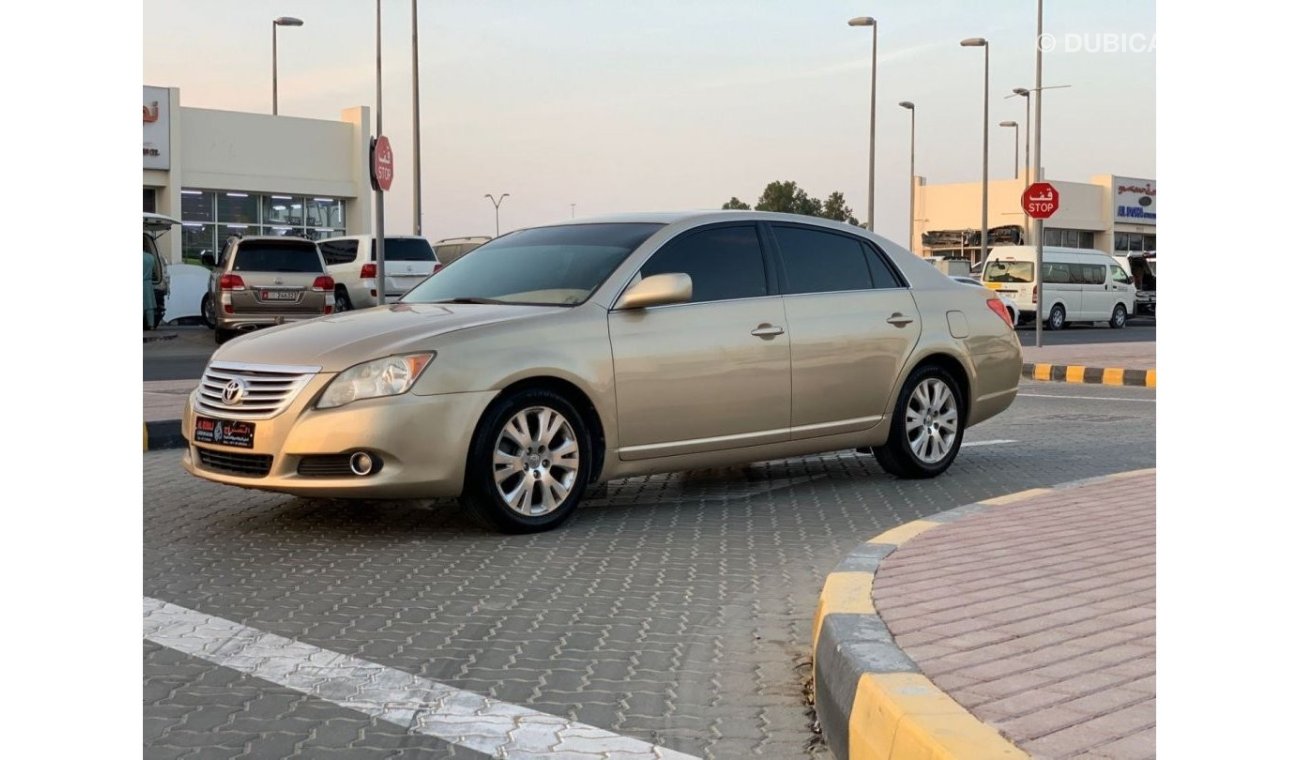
529,463
926,432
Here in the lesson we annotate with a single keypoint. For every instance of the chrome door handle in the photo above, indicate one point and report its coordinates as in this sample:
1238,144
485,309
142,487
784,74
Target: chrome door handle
766,330
899,320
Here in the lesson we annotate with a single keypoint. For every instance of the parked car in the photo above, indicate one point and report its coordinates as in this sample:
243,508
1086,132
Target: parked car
1007,302
559,356
450,249
1079,284
154,227
351,261
265,281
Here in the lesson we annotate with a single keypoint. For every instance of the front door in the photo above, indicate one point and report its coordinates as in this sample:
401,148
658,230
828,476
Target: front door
710,374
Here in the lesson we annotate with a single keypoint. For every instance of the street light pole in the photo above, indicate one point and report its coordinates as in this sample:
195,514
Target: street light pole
1015,147
911,180
984,206
496,204
275,58
380,281
415,110
1038,176
871,150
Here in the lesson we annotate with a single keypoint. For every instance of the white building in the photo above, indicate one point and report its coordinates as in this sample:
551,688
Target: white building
226,173
1109,213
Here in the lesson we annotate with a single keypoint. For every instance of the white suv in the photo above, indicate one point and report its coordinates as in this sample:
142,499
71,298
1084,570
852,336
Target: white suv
351,262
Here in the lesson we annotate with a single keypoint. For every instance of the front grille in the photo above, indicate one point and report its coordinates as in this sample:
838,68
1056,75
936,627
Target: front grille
267,389
254,465
325,466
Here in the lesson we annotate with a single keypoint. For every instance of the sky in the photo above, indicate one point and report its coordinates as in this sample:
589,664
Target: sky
677,104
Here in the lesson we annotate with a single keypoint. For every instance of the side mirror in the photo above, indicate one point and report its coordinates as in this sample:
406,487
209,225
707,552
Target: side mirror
207,259
657,290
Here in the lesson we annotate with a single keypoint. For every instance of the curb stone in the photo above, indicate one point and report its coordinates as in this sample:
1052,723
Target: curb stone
872,700
1071,373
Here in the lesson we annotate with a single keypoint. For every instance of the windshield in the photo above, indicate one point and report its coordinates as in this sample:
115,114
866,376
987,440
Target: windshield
277,256
406,249
546,265
1009,271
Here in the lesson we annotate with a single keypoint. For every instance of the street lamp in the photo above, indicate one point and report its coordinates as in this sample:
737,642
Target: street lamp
871,151
1022,92
911,179
984,207
496,204
1015,148
415,111
275,58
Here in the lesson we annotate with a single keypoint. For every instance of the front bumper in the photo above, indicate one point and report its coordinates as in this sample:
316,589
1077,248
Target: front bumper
422,440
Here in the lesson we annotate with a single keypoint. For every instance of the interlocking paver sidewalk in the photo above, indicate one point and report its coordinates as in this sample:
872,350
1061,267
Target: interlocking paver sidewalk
1039,617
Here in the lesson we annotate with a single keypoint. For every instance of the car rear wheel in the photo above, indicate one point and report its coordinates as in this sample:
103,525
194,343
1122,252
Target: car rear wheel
528,463
209,311
1056,318
926,432
1119,317
341,300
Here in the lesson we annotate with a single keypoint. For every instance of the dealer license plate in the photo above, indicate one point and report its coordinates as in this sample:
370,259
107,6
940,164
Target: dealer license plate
235,433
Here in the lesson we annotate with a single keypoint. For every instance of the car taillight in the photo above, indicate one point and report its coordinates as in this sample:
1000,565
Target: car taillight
232,282
1000,309
436,267
368,271
1035,294
324,282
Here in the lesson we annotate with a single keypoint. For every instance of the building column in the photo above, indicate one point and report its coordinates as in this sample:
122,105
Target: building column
359,209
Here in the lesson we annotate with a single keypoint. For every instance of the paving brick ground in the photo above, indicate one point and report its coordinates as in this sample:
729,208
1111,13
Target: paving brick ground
1039,617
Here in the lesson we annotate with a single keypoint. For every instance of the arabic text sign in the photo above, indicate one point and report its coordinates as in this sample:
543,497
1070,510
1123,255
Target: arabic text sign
381,164
1040,200
157,128
1135,201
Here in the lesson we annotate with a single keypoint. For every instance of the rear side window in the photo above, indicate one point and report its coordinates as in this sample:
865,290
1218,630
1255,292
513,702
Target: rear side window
339,251
882,274
1087,274
723,262
821,262
276,256
406,249
1056,274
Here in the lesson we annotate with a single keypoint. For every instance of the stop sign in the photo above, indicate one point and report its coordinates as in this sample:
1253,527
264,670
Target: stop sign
1040,200
381,164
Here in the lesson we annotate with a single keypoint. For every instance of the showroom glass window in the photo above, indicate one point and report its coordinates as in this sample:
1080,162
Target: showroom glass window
724,263
821,262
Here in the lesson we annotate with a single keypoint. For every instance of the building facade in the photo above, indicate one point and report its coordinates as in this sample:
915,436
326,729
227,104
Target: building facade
1108,213
226,173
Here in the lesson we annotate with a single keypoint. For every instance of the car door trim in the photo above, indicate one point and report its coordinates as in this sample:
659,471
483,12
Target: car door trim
699,445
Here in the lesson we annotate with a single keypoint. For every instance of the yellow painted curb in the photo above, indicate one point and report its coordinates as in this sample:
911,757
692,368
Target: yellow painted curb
903,533
146,436
1042,372
904,716
847,592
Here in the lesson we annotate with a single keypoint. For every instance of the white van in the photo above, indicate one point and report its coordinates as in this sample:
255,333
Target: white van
350,260
1080,284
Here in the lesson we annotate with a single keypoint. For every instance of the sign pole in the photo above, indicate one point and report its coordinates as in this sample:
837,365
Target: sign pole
379,131
1038,176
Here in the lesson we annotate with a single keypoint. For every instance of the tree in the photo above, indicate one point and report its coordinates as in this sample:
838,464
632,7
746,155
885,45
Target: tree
835,208
736,203
789,198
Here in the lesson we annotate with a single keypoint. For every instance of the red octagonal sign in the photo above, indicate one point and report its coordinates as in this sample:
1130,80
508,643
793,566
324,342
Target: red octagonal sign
381,164
1040,200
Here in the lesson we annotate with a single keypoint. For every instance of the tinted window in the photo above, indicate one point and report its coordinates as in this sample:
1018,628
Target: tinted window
723,263
559,265
1119,275
882,275
1058,274
405,249
339,251
820,262
1087,274
276,256
1010,271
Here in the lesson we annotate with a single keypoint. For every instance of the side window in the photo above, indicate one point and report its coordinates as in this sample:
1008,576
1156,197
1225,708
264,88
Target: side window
724,263
1120,276
882,275
821,262
339,252
1087,274
1056,274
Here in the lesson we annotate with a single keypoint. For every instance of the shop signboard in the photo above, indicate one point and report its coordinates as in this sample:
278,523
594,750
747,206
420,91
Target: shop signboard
1135,201
157,128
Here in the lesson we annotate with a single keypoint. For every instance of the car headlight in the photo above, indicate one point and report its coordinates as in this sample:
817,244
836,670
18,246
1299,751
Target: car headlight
390,376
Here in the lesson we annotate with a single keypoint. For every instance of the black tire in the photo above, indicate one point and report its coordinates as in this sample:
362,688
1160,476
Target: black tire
208,311
1119,317
896,457
341,300
481,496
223,335
1056,318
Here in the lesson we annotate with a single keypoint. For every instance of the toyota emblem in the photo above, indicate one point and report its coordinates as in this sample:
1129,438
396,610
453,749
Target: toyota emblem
233,393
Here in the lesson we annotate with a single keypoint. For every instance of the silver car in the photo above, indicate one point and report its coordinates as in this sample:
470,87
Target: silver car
265,281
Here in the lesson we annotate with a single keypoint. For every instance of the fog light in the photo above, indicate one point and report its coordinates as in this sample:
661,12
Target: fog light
363,464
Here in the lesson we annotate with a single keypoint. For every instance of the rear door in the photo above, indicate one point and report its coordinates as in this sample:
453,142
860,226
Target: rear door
1060,287
1094,291
407,261
852,324
278,277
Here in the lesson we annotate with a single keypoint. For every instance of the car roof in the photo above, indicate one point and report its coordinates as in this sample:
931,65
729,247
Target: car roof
702,215
281,238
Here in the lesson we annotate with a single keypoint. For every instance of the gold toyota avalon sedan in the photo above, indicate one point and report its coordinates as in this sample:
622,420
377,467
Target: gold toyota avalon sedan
556,357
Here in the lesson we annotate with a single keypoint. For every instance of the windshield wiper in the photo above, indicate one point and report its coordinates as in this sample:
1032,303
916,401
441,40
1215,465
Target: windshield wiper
469,300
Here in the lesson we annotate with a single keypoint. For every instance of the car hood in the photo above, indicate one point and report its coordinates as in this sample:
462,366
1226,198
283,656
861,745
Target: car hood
337,342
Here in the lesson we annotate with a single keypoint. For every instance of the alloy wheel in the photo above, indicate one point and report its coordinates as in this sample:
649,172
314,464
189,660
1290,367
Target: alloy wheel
931,421
535,461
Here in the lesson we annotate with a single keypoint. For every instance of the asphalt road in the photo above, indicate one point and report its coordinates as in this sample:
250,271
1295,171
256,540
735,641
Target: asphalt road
673,609
185,356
